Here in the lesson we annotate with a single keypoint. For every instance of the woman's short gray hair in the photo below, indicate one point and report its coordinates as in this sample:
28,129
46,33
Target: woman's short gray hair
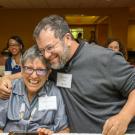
32,53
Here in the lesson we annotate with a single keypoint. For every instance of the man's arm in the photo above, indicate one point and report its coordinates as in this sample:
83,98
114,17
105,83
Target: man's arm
6,86
118,124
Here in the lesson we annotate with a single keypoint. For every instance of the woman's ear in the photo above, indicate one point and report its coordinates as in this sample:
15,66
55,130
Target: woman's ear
20,46
21,68
49,72
8,49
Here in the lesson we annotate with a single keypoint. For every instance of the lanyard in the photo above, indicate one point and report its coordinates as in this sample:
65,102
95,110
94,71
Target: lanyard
22,111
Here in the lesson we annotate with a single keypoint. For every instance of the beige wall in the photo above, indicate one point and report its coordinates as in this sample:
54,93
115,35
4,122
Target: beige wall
18,22
119,26
22,22
131,37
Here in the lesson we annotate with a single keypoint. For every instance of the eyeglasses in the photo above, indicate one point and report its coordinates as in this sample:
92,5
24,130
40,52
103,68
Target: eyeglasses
13,45
39,72
50,48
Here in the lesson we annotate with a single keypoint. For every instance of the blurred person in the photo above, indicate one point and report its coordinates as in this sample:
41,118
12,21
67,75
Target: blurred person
79,37
3,57
117,46
97,84
92,39
15,46
35,102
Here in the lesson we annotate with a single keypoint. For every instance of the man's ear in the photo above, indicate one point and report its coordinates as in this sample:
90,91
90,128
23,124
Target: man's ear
68,36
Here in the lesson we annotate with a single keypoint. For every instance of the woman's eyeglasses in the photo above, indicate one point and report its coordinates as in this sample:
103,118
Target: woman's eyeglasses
14,45
39,72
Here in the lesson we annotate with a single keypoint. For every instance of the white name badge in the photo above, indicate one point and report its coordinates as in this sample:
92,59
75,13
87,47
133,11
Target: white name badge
64,80
47,103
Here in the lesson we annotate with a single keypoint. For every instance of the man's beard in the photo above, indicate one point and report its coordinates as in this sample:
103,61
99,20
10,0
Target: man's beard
56,66
63,59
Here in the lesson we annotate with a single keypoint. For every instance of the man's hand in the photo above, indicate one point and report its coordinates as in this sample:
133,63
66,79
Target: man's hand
116,125
45,131
5,88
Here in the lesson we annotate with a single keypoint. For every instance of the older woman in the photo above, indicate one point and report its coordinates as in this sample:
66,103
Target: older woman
116,46
35,102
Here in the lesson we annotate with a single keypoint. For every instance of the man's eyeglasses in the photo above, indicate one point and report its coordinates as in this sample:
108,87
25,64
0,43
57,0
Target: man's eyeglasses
39,72
50,48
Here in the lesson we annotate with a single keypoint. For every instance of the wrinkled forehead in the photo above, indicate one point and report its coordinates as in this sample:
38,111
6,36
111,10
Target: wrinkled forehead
45,37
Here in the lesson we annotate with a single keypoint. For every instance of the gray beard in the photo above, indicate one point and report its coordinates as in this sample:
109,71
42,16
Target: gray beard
63,59
60,65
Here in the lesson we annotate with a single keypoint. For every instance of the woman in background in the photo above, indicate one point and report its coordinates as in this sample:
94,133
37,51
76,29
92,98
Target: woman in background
116,46
15,46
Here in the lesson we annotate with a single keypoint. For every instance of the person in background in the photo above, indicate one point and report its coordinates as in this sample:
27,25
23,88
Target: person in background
92,39
97,84
35,102
79,37
15,46
3,57
117,46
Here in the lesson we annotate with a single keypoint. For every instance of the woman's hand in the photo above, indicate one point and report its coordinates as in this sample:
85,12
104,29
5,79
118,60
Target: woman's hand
45,131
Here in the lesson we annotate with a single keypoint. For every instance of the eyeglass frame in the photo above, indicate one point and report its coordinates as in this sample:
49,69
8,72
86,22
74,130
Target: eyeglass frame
49,48
24,68
13,45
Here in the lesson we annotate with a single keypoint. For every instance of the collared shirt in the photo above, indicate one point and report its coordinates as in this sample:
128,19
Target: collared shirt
101,82
10,65
18,114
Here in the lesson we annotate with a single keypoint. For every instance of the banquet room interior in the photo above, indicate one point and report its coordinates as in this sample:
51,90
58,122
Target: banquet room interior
107,18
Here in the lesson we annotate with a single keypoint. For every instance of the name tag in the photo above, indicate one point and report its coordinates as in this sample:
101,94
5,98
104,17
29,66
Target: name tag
64,80
47,103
